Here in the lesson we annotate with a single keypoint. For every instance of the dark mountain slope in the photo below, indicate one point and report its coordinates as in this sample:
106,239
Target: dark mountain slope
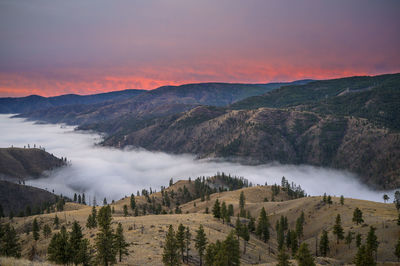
287,136
35,102
17,197
159,102
19,163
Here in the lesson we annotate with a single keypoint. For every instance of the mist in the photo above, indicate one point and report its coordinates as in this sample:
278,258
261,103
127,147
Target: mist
114,173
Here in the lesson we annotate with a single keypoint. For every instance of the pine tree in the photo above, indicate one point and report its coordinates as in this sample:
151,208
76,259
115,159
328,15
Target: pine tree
357,216
105,201
230,210
83,199
92,219
84,255
105,239
56,221
216,210
329,200
188,237
35,229
200,242
125,210
120,243
299,227
230,250
341,200
372,240
75,198
263,226
170,255
294,242
238,227
338,229
46,230
75,239
246,237
324,244
79,199
349,238
1,212
283,258
180,239
9,242
385,198
252,224
358,240
241,205
364,257
58,250
133,202
397,250
304,257
224,212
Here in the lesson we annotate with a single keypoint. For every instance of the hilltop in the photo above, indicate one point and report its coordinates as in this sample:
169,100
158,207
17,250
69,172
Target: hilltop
146,233
21,163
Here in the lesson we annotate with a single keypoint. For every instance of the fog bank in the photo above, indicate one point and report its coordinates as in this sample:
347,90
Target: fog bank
113,173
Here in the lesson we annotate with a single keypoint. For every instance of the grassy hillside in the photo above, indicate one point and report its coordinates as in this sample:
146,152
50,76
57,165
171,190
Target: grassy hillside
146,233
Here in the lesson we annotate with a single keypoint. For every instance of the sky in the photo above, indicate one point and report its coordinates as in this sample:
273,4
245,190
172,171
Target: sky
115,173
53,47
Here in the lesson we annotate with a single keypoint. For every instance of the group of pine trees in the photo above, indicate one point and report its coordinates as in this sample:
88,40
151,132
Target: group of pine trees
177,247
70,247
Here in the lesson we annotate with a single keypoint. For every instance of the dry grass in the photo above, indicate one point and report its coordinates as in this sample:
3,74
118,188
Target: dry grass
147,243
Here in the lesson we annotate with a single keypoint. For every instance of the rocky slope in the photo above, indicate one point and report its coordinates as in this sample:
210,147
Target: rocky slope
287,136
20,163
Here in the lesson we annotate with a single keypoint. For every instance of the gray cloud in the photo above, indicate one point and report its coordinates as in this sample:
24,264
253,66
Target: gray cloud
113,173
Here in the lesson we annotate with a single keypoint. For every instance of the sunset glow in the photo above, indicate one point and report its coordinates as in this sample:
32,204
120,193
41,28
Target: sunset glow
96,46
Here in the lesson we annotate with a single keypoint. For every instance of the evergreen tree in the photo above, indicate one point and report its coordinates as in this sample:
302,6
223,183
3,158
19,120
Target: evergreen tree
341,200
246,237
84,255
231,250
56,222
75,239
79,199
133,202
125,210
58,250
180,239
304,257
385,198
324,198
35,229
170,255
294,242
241,205
263,226
46,230
230,210
372,240
217,209
397,250
9,242
324,244
357,216
329,200
252,224
83,199
364,257
238,227
283,258
299,227
188,237
338,229
105,201
211,252
349,238
92,219
200,242
105,239
120,243
75,198
224,212
358,240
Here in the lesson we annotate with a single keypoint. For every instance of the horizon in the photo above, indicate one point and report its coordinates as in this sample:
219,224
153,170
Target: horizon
51,48
206,82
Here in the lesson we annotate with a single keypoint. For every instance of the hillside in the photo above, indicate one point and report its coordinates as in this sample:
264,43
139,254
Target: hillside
155,103
35,102
287,136
16,198
146,233
22,163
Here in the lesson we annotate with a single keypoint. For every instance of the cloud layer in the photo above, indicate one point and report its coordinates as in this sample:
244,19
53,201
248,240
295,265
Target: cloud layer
113,173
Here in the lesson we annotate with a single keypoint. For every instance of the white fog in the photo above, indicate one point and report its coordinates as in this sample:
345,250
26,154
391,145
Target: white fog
114,173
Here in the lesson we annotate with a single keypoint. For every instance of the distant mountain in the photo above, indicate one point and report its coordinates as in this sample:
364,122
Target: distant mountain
162,101
35,102
19,163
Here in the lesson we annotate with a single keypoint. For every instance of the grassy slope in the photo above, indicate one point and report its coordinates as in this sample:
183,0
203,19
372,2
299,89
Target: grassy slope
146,248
